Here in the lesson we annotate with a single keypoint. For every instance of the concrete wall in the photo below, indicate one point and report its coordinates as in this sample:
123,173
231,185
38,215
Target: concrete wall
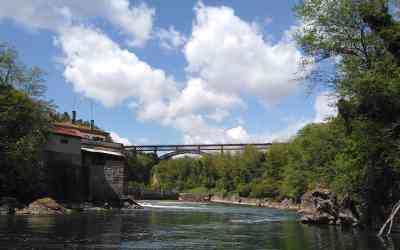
95,137
63,164
64,176
76,175
64,144
106,176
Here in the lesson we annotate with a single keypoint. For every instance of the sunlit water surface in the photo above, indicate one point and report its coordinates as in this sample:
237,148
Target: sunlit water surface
181,225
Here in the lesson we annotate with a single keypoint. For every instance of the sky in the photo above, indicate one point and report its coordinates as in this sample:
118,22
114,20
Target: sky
165,72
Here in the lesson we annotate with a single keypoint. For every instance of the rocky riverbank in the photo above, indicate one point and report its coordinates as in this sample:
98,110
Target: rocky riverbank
320,206
283,205
49,206
44,206
323,207
286,204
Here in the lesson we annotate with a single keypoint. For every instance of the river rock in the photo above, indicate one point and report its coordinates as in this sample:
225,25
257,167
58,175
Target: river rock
321,207
286,203
194,197
348,214
8,205
44,206
132,205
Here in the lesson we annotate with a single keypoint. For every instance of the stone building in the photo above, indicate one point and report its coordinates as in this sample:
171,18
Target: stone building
84,165
105,166
63,160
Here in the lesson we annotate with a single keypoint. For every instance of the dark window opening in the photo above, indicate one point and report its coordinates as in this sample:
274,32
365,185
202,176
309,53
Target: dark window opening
99,159
64,141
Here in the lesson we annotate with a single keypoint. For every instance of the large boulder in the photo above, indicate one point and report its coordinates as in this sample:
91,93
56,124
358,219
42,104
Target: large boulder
44,206
191,197
348,214
321,206
8,205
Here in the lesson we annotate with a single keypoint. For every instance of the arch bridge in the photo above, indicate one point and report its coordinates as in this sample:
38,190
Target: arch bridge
199,149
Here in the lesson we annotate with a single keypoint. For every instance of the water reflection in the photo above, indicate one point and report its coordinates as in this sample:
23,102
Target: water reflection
181,226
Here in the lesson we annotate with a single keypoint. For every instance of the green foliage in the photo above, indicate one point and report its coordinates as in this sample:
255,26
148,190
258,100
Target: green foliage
357,152
139,168
366,37
24,125
310,158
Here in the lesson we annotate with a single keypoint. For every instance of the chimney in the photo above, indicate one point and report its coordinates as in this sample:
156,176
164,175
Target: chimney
73,116
92,124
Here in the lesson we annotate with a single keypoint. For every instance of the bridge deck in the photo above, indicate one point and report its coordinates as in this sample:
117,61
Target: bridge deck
196,147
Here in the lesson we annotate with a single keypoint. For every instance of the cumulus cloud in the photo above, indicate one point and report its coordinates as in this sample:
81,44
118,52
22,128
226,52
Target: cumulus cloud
100,69
238,133
117,138
196,130
171,39
232,56
136,22
195,98
228,59
325,107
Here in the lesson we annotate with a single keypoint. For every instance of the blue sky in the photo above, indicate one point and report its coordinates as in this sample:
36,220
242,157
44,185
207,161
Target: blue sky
170,71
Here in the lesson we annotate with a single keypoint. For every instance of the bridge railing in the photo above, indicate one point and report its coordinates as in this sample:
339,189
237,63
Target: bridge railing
196,147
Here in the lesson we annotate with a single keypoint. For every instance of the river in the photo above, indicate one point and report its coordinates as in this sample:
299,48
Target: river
180,225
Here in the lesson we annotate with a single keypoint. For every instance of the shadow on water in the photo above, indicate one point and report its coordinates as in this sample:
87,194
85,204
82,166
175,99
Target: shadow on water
172,225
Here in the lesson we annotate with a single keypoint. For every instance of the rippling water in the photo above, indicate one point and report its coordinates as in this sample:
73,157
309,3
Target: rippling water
178,225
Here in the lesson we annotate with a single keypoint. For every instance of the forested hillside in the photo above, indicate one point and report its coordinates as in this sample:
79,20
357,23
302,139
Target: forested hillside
357,152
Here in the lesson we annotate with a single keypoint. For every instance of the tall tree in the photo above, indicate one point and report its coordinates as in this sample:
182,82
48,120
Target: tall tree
363,37
24,123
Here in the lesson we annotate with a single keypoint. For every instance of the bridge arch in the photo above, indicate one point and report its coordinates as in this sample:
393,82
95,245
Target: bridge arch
200,149
171,154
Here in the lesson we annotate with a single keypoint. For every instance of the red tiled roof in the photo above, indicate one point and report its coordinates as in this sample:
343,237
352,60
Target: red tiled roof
67,131
80,128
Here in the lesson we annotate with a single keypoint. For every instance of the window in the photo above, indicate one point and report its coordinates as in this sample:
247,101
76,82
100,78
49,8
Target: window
99,159
63,141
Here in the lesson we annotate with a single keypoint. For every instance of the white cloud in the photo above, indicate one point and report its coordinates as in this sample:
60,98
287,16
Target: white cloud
171,39
228,60
196,130
134,21
325,107
100,69
232,56
195,98
238,133
117,138
287,133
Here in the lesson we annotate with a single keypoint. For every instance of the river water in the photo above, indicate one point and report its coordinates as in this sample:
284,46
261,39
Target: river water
181,225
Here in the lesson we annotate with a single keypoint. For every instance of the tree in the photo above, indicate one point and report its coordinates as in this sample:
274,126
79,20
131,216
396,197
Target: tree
364,38
140,167
24,125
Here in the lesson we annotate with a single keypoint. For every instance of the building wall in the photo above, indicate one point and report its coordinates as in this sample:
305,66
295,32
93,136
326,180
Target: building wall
64,144
64,167
94,137
64,176
106,176
77,175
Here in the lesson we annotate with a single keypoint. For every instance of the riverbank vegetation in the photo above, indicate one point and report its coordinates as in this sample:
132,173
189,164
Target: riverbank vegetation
24,125
355,153
286,170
